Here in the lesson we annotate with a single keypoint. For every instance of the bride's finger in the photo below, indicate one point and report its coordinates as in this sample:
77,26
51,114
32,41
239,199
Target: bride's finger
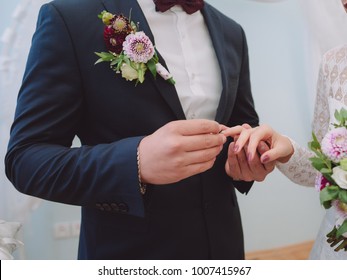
260,133
246,125
222,127
232,165
232,131
269,156
242,139
277,152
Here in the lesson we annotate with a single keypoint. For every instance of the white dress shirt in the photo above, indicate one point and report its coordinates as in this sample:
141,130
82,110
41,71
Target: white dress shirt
184,42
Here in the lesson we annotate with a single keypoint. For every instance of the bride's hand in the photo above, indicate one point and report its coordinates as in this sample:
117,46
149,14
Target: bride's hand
281,148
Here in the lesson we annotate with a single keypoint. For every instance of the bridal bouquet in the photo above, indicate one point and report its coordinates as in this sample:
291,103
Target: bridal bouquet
130,52
331,161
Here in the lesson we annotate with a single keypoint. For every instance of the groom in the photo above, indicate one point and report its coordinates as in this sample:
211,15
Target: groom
154,177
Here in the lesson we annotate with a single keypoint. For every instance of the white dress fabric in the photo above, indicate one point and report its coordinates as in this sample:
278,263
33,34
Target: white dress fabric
331,96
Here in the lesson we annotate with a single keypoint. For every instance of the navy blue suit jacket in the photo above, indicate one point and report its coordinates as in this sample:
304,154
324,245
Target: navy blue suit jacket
64,94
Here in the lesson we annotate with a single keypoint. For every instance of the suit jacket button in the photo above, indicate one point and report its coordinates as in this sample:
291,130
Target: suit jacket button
106,207
114,207
123,208
99,206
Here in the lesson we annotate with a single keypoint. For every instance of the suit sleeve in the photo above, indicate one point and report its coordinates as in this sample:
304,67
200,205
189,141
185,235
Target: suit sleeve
40,161
244,109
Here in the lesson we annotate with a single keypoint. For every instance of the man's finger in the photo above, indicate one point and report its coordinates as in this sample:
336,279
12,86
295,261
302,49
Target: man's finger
195,127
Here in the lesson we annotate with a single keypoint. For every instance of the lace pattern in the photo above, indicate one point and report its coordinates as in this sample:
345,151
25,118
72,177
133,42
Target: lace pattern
331,95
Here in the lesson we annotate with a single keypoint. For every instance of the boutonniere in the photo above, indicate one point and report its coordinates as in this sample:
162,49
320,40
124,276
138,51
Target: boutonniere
130,52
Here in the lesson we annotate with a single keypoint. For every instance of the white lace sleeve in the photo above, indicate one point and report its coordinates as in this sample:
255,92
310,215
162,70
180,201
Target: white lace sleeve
321,116
299,169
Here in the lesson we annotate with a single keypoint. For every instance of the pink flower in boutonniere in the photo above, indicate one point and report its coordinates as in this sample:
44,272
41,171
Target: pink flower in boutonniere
130,52
138,47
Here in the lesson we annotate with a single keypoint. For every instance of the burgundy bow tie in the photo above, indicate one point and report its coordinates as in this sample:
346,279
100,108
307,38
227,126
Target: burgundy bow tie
189,6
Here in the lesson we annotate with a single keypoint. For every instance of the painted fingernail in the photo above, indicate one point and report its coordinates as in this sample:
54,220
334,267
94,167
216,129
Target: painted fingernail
236,148
249,156
265,159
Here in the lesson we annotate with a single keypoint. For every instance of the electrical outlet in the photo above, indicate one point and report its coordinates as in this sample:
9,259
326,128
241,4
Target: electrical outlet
62,230
75,228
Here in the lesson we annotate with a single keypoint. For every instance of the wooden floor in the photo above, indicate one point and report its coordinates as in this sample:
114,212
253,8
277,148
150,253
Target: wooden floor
294,252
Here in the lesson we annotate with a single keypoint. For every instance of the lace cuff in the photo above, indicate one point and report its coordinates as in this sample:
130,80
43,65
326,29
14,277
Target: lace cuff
299,169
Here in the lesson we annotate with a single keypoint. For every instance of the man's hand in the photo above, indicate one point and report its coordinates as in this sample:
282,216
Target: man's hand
180,149
281,148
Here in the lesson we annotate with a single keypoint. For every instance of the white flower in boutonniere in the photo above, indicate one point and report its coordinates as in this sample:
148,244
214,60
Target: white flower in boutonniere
129,73
130,52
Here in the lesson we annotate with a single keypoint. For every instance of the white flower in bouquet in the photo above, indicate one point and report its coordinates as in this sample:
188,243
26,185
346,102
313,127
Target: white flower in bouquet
340,177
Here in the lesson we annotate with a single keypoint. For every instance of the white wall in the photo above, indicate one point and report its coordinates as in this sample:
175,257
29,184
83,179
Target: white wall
39,218
276,212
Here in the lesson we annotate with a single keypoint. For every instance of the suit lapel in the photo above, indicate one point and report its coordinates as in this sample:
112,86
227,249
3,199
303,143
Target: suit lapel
167,90
215,29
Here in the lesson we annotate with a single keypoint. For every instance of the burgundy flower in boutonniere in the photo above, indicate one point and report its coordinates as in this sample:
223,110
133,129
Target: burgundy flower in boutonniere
130,52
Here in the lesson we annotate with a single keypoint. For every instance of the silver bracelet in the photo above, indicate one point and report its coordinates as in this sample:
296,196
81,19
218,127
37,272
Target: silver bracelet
142,186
